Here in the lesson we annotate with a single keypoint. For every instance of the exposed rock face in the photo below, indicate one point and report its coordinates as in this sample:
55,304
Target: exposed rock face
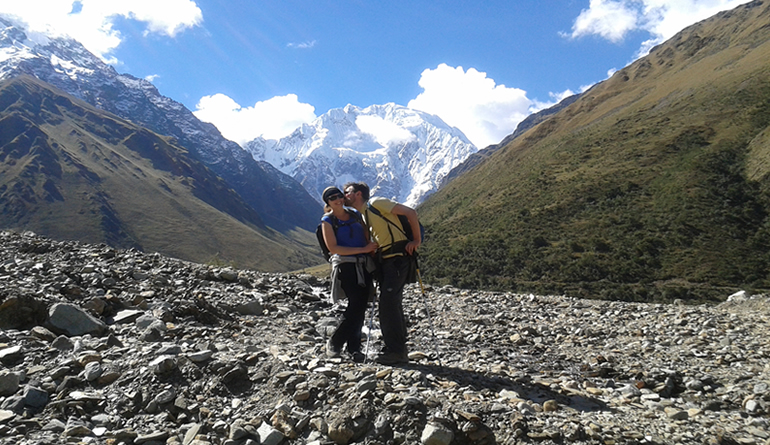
187,357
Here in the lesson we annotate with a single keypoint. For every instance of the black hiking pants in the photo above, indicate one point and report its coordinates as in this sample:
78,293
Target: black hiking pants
392,321
349,330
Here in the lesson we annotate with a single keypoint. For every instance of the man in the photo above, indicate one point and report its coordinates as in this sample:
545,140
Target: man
395,250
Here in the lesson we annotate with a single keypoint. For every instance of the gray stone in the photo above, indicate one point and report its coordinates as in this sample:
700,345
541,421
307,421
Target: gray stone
127,316
163,364
101,420
676,414
752,406
147,320
436,434
55,425
63,343
93,371
200,356
228,275
70,320
152,334
166,396
35,397
9,383
6,415
159,436
251,308
238,430
366,385
43,333
191,433
169,349
11,355
13,403
269,435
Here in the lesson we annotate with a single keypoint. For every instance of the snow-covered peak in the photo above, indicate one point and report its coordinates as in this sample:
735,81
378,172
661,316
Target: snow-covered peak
401,153
62,62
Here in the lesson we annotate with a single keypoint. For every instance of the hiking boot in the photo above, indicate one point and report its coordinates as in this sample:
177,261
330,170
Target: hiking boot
392,358
331,350
357,357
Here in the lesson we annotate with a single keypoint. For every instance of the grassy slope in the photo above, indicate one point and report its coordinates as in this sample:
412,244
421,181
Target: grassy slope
653,185
80,173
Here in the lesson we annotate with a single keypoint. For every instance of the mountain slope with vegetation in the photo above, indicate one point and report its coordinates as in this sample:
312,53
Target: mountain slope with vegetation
71,171
653,185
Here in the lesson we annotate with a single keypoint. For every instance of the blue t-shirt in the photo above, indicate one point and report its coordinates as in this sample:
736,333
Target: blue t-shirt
350,233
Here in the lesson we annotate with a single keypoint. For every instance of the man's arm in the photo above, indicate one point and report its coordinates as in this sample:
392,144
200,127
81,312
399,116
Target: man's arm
414,222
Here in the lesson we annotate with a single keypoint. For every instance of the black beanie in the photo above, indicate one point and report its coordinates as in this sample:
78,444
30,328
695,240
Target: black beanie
329,191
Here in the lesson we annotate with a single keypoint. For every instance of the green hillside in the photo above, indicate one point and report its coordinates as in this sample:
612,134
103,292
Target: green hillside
652,186
71,171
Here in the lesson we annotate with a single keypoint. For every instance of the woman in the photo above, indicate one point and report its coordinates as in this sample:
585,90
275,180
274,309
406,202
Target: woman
347,238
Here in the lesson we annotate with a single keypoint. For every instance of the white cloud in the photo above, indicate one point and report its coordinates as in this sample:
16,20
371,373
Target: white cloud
606,18
91,21
272,119
555,99
614,19
384,132
472,102
303,45
151,78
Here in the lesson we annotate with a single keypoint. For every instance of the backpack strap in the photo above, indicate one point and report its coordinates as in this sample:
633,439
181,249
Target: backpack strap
387,247
356,215
374,210
335,222
357,218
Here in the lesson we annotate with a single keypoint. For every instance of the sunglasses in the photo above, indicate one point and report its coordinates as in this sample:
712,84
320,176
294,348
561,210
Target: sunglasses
334,197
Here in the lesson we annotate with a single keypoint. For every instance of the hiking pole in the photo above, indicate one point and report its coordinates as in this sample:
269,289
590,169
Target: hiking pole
369,331
427,311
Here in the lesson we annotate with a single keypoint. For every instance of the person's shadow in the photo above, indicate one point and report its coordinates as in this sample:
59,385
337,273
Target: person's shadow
526,390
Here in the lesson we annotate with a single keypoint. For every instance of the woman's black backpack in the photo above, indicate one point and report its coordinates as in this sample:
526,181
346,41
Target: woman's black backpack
335,225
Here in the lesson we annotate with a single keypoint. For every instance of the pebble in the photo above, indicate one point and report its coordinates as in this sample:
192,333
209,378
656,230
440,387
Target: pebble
165,351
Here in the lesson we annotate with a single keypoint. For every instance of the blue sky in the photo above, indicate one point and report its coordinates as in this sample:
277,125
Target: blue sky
263,67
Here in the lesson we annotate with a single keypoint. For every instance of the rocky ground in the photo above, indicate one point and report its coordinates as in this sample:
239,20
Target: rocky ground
102,346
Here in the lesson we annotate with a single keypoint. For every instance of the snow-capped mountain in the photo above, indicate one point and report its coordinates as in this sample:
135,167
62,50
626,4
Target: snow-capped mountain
401,153
67,65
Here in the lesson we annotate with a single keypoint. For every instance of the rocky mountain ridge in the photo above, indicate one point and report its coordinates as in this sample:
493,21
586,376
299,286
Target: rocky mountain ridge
72,171
401,153
106,346
67,65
